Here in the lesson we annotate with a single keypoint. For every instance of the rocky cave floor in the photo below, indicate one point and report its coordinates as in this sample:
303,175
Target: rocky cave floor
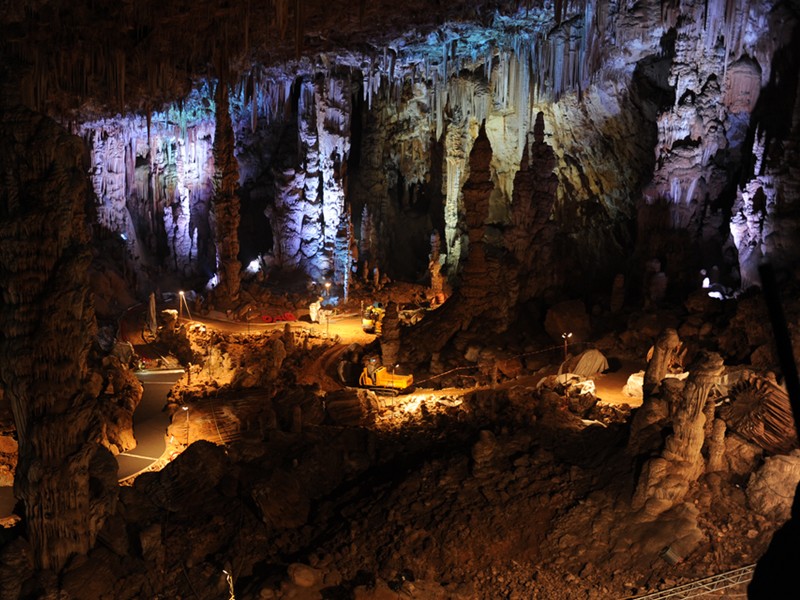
468,489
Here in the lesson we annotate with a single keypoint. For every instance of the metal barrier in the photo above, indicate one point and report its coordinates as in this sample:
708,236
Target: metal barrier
703,586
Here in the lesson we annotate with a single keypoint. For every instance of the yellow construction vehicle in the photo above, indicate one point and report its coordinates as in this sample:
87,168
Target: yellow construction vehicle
377,377
372,317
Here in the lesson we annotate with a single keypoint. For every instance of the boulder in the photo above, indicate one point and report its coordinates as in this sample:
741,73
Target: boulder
741,456
201,466
282,500
483,453
771,489
304,576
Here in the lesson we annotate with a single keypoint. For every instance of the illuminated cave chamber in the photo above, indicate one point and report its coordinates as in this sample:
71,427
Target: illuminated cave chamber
359,158
414,110
532,153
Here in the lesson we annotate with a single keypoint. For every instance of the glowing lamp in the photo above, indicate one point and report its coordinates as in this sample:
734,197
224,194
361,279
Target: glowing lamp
254,266
566,335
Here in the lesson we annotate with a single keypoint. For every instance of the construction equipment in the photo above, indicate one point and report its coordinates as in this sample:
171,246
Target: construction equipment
380,379
372,318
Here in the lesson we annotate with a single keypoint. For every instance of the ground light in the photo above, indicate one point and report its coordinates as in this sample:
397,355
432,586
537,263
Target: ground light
328,289
254,266
566,335
181,303
186,409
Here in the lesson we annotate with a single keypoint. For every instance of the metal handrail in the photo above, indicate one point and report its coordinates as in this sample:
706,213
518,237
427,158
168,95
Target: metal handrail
703,586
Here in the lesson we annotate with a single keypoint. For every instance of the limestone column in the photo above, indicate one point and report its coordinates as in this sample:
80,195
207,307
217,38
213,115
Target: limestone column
666,479
47,325
225,203
333,108
458,141
663,352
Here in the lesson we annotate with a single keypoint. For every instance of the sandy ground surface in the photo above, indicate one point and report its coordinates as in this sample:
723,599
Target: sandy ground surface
609,385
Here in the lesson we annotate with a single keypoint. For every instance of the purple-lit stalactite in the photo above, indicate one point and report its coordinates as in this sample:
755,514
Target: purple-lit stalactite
48,325
225,205
152,181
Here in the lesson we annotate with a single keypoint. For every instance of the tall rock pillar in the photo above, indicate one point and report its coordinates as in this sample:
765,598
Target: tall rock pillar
334,110
66,481
666,479
225,205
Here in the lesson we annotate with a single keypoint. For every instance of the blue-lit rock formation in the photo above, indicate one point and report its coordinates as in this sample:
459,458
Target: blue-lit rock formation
651,129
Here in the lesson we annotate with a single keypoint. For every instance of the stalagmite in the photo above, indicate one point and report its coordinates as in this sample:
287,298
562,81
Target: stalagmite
225,204
664,353
435,261
666,479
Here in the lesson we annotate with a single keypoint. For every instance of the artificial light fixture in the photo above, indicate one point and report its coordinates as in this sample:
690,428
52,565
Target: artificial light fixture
566,335
186,410
254,266
181,303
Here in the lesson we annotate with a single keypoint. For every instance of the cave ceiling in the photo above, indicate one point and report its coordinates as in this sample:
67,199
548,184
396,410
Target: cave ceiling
111,56
644,103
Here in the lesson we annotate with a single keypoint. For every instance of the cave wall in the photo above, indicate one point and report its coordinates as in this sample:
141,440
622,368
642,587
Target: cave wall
152,181
720,63
65,477
647,109
764,218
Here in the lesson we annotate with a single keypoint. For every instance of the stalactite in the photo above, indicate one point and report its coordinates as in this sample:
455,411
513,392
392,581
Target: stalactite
299,26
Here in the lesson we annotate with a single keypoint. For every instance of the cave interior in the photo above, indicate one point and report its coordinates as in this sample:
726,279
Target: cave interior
574,224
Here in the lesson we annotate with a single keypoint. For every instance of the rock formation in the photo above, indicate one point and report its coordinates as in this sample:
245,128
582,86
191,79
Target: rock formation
550,147
531,234
65,478
665,480
225,204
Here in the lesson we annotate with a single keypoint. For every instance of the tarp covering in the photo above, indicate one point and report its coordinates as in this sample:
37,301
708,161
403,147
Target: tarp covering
586,364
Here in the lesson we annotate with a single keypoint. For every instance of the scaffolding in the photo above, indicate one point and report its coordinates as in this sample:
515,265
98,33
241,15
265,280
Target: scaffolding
701,587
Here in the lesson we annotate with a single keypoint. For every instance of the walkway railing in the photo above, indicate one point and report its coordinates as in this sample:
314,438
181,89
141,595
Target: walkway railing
703,586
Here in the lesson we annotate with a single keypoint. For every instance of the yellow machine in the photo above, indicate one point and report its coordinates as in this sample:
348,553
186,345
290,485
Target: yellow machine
371,318
379,377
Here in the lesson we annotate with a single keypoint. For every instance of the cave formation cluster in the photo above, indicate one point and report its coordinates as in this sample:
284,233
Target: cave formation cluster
510,156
